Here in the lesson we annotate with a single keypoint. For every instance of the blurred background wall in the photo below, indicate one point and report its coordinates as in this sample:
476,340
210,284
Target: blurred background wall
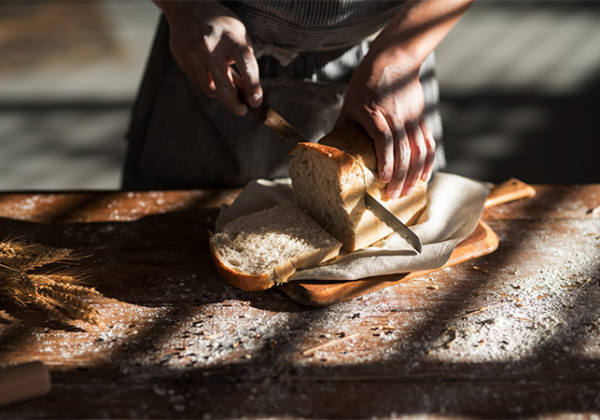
520,83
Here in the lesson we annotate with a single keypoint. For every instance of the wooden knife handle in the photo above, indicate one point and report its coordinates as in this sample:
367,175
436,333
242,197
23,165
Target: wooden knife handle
510,190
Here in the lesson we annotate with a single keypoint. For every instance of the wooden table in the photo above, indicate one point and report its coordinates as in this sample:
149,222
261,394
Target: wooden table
515,333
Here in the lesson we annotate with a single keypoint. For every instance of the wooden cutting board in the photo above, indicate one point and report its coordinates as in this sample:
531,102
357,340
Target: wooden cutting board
481,242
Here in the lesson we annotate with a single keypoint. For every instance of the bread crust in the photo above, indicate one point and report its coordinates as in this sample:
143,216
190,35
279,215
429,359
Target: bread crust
263,281
352,150
354,140
247,282
281,272
346,166
343,160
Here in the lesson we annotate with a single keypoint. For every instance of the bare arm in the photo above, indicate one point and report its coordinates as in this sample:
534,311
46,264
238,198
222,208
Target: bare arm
385,95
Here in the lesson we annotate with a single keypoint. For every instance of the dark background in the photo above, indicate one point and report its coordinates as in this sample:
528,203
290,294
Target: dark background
535,115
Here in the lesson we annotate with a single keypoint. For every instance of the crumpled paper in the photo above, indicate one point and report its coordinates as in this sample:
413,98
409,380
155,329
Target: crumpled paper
455,204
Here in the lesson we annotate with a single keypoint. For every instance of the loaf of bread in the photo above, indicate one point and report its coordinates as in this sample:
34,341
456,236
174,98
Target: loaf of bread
329,181
256,251
330,178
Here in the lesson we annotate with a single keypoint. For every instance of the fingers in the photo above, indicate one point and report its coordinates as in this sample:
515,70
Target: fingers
206,44
203,79
405,154
430,155
248,67
417,157
402,156
225,88
414,153
378,129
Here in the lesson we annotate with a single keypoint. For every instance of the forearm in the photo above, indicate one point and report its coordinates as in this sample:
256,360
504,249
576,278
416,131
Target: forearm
416,31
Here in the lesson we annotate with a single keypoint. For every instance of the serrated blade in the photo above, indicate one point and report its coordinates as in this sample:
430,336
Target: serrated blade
393,222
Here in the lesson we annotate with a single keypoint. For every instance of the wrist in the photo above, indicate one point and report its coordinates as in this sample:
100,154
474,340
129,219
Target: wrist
399,50
399,62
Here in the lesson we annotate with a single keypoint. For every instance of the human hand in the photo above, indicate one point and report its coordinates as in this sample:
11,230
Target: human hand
386,99
206,38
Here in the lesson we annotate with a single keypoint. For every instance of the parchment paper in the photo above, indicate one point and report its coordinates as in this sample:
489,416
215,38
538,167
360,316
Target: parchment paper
455,204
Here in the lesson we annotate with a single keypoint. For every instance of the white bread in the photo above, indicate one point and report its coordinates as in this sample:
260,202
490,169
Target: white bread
256,251
330,178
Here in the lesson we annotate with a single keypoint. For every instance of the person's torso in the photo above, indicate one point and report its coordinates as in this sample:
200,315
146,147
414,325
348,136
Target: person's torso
308,25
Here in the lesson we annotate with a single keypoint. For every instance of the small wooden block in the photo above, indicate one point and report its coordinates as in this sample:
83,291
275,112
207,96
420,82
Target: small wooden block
22,382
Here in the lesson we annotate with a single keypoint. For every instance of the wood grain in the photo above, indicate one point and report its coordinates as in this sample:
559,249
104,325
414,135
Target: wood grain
176,341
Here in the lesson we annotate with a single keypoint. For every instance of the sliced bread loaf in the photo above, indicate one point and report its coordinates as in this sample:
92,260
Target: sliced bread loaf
330,178
256,251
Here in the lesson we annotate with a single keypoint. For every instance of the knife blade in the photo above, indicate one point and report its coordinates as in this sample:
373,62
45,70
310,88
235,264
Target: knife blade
393,222
269,117
272,119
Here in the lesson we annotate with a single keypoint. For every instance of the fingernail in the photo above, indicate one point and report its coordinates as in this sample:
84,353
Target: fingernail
408,191
386,176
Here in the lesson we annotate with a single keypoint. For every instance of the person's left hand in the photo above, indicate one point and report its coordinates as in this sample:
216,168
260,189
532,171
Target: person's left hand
387,101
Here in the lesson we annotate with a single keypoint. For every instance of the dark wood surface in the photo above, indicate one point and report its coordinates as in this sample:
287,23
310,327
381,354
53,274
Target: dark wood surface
513,334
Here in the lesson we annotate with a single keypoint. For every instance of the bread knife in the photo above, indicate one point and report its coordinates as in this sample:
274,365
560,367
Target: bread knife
393,222
272,119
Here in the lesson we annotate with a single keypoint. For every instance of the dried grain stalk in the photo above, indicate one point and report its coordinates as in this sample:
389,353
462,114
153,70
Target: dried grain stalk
26,281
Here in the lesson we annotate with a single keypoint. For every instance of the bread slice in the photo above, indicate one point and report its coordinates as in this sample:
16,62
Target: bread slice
330,178
256,251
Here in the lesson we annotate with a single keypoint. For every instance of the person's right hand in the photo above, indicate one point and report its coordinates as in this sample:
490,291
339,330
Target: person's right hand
206,38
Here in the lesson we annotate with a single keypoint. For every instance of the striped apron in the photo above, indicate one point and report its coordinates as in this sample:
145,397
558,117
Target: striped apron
306,51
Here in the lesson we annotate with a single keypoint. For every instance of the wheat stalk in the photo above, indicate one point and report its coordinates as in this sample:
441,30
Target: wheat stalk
26,257
60,293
